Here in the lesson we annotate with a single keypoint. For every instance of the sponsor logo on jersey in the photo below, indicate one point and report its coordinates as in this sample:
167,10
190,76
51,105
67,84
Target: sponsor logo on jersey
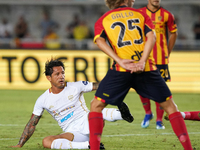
67,117
137,55
85,82
160,30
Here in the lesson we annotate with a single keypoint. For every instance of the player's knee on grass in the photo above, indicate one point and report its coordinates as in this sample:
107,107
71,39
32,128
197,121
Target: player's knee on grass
46,142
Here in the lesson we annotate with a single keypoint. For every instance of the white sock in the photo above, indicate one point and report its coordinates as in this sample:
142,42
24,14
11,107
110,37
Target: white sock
66,144
183,115
111,114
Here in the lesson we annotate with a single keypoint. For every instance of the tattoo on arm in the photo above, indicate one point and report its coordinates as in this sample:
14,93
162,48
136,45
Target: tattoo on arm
29,129
95,85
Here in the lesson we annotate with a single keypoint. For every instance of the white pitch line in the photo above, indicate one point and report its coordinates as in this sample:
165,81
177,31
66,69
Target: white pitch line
54,124
146,134
118,135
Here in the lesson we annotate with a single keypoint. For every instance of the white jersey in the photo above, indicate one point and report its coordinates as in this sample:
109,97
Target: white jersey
67,106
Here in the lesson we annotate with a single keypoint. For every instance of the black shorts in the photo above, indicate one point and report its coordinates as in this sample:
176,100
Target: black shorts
164,72
115,85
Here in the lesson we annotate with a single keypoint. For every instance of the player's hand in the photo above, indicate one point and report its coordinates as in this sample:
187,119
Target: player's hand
138,68
16,146
126,64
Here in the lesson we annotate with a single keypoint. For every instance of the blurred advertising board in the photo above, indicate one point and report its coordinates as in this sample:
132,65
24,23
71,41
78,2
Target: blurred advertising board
24,69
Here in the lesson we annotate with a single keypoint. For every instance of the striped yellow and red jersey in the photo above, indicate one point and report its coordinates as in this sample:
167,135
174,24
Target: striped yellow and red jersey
163,21
125,29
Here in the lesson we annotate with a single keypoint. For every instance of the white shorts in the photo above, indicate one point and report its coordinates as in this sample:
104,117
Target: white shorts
78,137
80,129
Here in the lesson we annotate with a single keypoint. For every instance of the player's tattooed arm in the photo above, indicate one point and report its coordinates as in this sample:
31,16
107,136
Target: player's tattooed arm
95,85
28,130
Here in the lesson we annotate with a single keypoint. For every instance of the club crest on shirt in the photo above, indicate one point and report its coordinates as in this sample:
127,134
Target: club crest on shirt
51,106
159,18
70,97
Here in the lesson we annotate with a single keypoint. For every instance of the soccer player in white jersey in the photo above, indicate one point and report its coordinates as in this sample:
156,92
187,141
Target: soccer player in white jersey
65,102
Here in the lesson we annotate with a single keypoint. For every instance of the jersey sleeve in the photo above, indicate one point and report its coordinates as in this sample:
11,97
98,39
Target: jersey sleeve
99,30
171,23
81,86
148,24
38,108
85,86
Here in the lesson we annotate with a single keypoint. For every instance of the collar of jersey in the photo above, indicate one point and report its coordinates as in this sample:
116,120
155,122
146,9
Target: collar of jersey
122,6
153,11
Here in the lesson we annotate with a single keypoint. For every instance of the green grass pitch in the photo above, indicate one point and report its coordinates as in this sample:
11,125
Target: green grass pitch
16,107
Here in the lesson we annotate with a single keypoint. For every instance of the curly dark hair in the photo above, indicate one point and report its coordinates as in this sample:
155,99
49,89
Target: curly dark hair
52,63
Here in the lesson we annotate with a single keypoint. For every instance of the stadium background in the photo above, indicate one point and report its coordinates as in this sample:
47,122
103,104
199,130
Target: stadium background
23,67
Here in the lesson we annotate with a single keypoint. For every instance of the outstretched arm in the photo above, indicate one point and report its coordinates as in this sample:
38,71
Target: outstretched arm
28,130
95,86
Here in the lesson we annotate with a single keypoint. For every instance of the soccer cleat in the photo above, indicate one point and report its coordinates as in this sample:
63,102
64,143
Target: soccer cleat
125,112
101,146
166,117
147,118
159,125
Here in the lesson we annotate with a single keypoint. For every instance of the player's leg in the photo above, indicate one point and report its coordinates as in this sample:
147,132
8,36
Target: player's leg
108,92
96,123
191,115
177,123
111,114
159,115
65,141
146,104
188,115
123,113
155,88
147,107
165,74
